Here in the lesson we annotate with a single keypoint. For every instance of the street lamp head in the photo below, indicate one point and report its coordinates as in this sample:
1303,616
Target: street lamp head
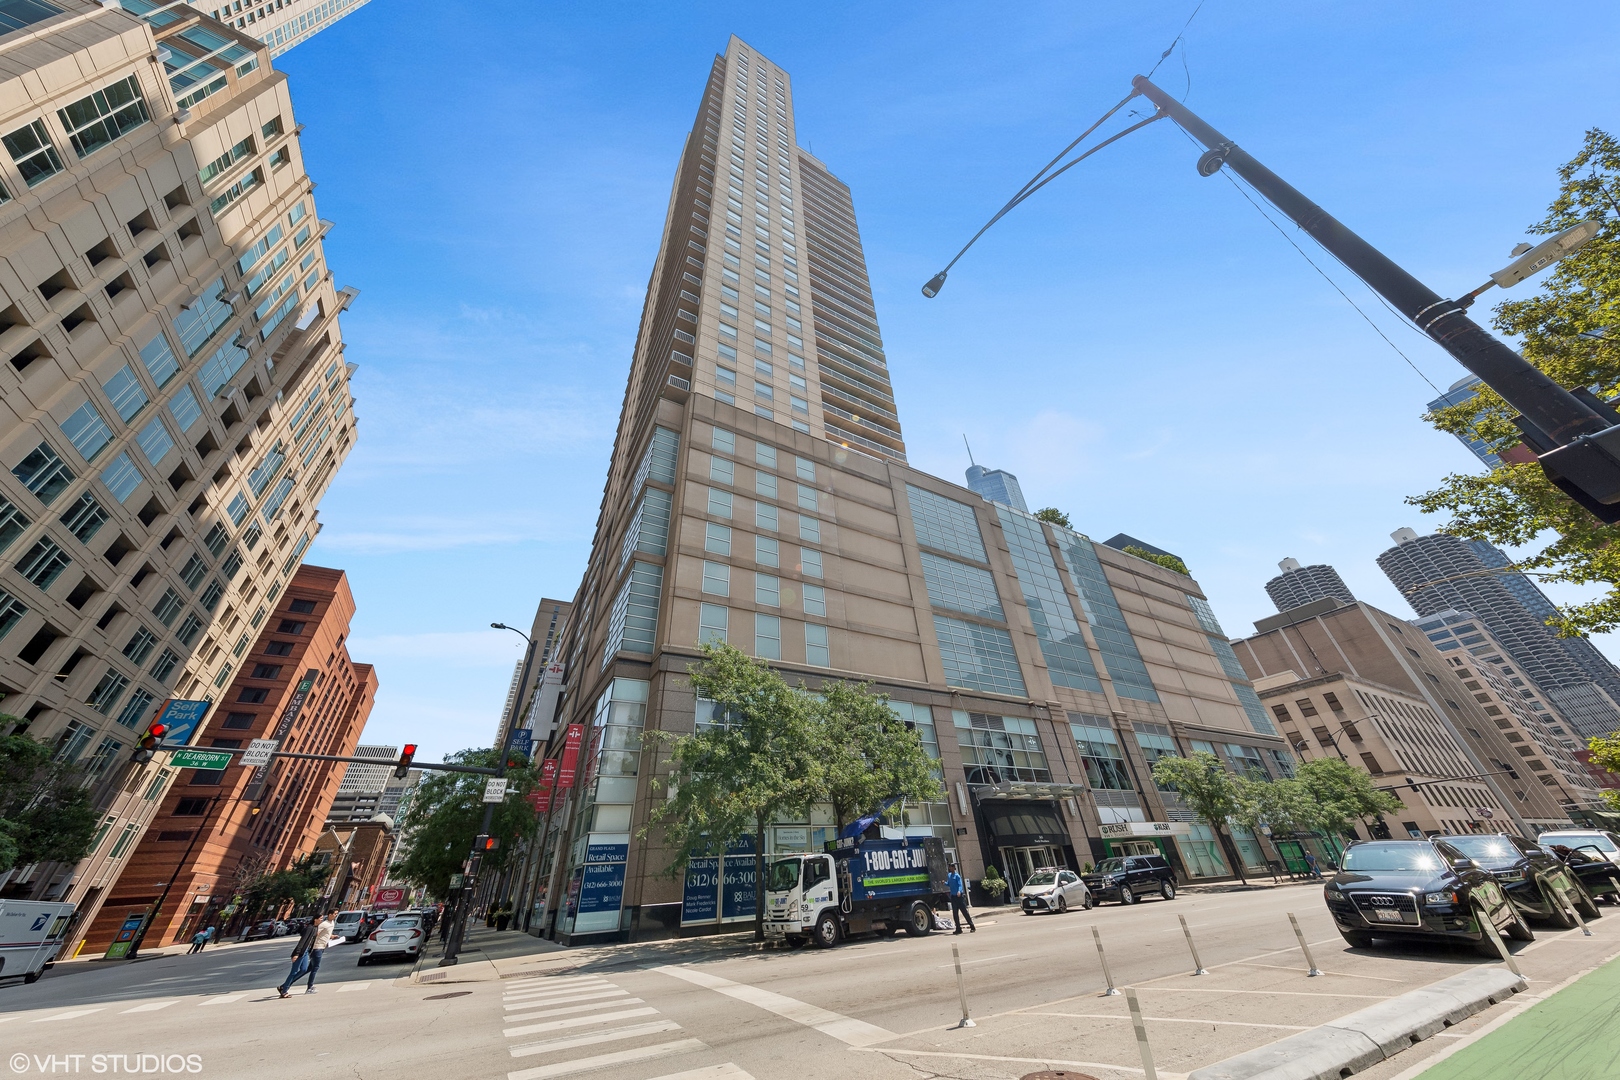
1528,260
499,626
935,283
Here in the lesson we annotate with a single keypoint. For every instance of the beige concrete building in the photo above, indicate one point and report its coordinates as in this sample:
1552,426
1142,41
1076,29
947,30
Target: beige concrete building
174,394
1330,637
758,493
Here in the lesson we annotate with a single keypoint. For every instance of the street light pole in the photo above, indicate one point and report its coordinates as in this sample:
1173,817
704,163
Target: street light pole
140,935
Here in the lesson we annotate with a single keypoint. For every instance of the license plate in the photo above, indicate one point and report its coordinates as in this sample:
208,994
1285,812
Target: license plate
1388,915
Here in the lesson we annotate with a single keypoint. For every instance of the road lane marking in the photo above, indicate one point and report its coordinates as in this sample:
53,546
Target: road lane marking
226,1000
569,1041
564,1001
728,1071
1169,1020
1263,993
845,1029
595,1006
1031,1061
1341,974
576,1021
347,987
151,1006
67,1015
984,960
641,1053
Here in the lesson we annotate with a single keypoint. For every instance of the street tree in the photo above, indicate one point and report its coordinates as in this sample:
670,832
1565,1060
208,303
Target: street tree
1571,331
45,809
1209,791
758,758
445,815
868,754
1343,795
300,884
1606,753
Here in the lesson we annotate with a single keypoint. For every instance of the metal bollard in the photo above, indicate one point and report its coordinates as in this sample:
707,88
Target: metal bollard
1198,965
1103,958
1501,946
1304,948
961,989
1569,906
1141,1035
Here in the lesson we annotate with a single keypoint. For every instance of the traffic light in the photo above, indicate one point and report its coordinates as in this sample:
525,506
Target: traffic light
403,765
146,749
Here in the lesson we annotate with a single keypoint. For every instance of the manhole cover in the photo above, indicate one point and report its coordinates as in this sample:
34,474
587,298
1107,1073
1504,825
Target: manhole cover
1057,1074
464,993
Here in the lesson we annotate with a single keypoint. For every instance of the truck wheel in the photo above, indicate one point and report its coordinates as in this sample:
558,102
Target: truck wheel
919,920
885,931
797,941
1167,890
826,932
31,977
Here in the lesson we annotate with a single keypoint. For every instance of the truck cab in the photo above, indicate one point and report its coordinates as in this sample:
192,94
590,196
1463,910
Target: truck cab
879,885
31,934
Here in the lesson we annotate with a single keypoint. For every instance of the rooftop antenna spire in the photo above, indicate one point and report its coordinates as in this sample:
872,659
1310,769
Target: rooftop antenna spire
969,449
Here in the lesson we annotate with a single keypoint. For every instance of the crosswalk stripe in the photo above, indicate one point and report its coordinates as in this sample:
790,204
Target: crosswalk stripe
346,987
226,1000
846,1029
640,1053
151,1006
569,1041
571,988
576,1021
594,1006
530,1004
556,980
67,1015
728,1071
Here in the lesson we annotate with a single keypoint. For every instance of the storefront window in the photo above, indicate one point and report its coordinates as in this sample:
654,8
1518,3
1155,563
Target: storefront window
1201,853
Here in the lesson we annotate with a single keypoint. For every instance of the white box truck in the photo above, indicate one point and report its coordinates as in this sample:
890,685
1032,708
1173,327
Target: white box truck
880,885
31,936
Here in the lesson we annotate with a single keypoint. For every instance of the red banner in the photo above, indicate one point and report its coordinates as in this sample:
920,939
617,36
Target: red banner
570,756
540,797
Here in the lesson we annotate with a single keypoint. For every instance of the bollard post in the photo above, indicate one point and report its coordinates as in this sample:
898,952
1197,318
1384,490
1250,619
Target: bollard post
961,989
1141,1034
1569,906
1198,965
1501,946
1103,958
1310,960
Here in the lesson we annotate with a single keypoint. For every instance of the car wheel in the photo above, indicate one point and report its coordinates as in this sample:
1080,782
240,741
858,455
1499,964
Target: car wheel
1357,939
1485,946
1559,917
362,961
826,933
1089,902
1167,889
1586,903
1062,905
920,920
1519,930
1127,895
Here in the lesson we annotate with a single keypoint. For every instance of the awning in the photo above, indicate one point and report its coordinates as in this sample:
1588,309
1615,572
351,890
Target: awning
1027,790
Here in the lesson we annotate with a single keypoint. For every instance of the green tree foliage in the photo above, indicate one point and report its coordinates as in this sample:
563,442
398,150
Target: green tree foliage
45,810
1053,516
868,754
1606,753
1571,331
446,814
1284,805
300,884
1208,790
758,760
1169,562
1343,794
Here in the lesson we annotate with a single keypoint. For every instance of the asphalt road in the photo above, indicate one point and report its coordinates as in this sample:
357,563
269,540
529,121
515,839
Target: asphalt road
715,1011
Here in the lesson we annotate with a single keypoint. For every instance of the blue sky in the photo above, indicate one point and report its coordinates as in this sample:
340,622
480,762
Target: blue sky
1137,343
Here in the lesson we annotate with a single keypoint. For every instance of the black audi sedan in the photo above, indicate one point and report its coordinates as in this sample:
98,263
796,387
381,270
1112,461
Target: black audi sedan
1530,875
1419,888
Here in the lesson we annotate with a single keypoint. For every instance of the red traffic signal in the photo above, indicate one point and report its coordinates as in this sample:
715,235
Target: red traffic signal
403,765
146,749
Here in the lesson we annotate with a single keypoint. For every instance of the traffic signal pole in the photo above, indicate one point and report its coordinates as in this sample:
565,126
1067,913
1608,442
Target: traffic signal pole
1575,435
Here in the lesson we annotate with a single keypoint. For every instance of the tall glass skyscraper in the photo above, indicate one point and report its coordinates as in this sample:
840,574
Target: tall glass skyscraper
997,485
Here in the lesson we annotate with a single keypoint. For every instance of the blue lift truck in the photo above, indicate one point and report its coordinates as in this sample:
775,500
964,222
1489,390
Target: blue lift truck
859,885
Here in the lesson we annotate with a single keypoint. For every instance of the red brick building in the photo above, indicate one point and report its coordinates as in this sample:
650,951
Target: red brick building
296,684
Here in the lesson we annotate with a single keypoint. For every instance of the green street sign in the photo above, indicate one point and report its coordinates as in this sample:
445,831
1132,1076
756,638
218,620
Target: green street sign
200,759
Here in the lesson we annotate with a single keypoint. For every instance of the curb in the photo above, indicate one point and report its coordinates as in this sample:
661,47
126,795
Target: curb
1363,1039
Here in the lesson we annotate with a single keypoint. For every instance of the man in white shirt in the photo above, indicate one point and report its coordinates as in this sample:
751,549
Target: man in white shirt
306,955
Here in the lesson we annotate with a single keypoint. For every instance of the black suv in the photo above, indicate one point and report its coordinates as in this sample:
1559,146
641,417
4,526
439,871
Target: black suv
1131,877
1530,875
1419,888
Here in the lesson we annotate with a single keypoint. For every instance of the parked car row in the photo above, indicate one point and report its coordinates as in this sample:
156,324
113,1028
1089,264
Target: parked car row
1456,887
1126,879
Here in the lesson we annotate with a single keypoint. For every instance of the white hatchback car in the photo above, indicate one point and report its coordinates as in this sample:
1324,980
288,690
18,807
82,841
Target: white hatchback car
399,936
1054,889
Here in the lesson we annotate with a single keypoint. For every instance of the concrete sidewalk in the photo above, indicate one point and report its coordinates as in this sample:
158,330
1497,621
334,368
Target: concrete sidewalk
1572,1035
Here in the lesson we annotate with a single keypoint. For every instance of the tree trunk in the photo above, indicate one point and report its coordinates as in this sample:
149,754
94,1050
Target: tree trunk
1232,853
759,879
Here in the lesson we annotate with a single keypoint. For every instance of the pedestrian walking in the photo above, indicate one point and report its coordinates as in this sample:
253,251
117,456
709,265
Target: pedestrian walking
1310,861
503,915
959,906
306,955
198,940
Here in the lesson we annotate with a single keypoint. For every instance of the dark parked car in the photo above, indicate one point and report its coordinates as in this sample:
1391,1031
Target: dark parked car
1591,866
264,930
1131,877
1529,874
1419,888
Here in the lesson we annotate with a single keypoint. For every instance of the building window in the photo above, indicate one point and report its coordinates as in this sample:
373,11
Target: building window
87,431
1156,744
768,591
134,710
1113,637
43,473
719,503
809,529
1371,763
108,690
810,562
767,636
633,620
211,595
12,522
816,650
155,441
121,477
43,564
978,657
765,484
1307,707
765,517
711,623
11,612
717,578
944,524
224,675
722,471
289,626
725,441
167,607
240,720
125,393
192,573
807,498
999,749
140,646
97,120
125,838
253,695
30,147
1098,746
815,600
84,518
767,552
805,469
717,538
184,408
958,587
189,628
766,456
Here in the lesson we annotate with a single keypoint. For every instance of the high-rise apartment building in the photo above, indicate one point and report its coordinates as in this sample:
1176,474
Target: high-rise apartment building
297,685
758,494
174,395
1457,393
367,790
997,485
1299,585
1440,572
1328,638
279,24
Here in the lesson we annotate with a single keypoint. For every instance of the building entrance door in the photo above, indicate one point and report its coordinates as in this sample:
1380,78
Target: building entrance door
1024,861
